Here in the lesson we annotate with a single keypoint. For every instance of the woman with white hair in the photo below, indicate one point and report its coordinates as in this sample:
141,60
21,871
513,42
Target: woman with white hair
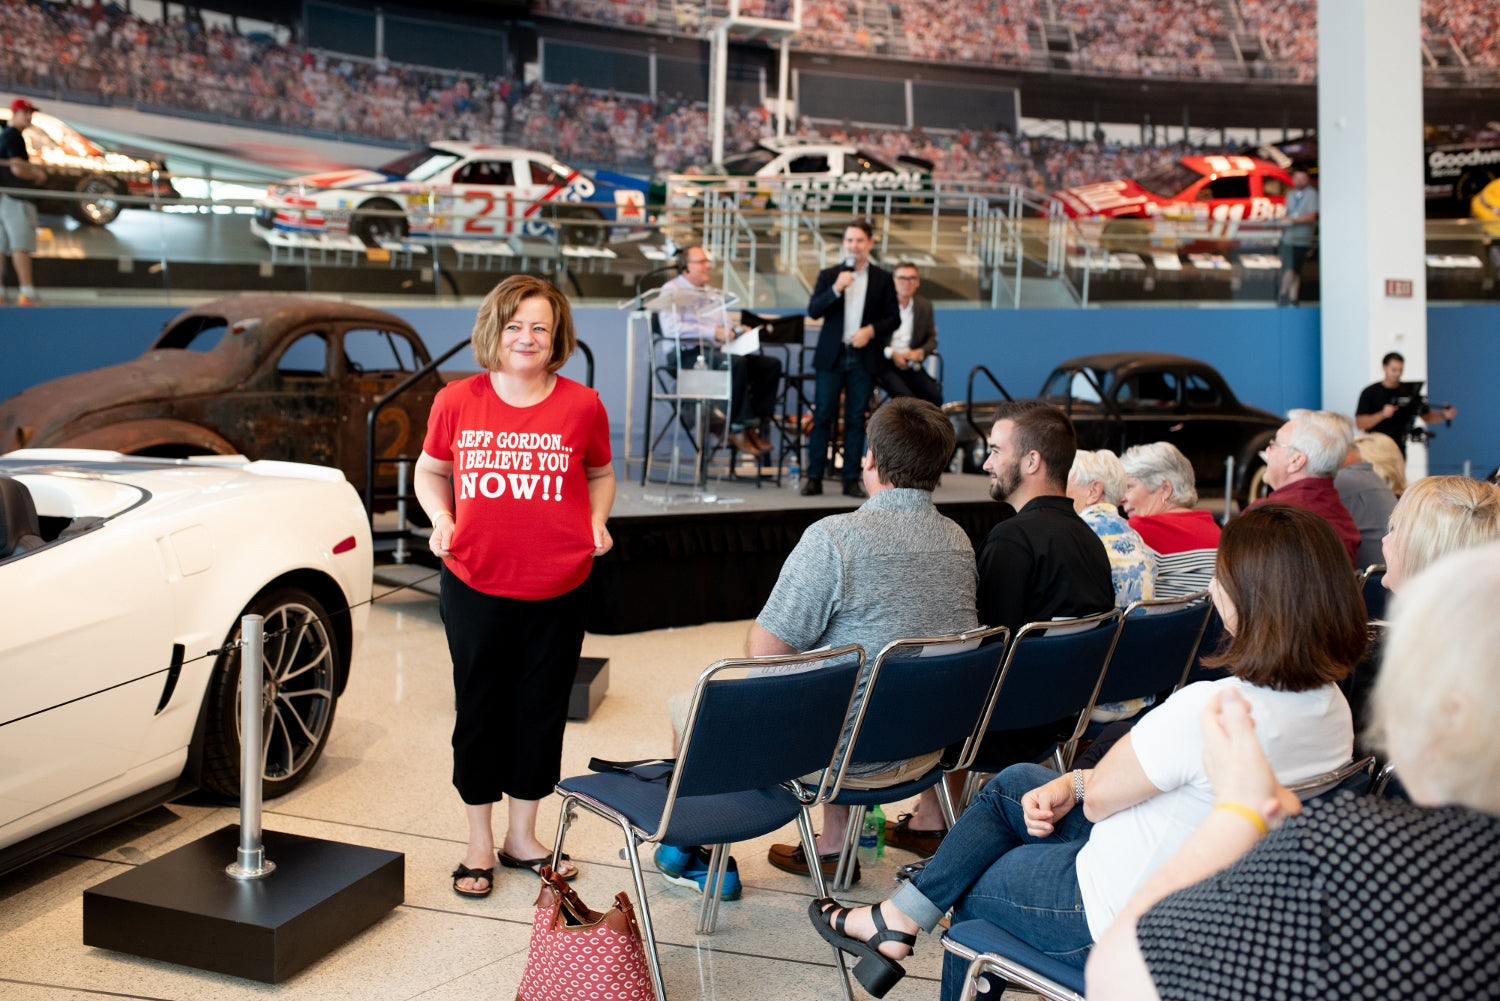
1384,456
1159,498
1095,485
1353,896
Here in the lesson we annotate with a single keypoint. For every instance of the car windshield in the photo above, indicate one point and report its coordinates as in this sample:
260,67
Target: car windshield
1169,179
1077,384
864,163
196,333
421,165
744,164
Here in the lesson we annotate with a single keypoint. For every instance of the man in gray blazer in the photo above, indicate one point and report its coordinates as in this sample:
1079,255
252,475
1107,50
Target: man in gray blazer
912,342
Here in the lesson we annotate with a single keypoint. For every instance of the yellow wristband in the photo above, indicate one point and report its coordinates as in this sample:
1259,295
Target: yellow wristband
1244,811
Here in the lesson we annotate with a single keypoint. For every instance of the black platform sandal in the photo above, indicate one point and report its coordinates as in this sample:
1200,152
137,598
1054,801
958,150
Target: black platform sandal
875,971
464,872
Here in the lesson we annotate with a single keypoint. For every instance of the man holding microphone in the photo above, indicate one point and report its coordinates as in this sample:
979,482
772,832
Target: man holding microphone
857,303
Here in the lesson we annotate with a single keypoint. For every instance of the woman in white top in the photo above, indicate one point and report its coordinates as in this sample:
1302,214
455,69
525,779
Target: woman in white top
1023,858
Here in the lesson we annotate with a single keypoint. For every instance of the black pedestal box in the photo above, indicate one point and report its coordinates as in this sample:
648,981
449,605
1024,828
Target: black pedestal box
184,908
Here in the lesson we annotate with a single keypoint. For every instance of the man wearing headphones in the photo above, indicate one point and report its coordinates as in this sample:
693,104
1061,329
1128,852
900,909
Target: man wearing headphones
753,379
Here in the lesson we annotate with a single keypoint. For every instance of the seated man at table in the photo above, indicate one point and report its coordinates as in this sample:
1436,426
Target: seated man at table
753,378
912,342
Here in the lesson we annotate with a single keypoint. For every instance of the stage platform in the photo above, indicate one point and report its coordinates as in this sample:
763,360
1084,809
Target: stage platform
684,557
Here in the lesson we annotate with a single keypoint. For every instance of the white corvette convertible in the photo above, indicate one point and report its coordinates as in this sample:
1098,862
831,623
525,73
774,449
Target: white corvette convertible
122,584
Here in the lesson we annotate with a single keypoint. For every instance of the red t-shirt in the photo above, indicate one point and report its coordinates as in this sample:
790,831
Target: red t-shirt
520,485
1177,531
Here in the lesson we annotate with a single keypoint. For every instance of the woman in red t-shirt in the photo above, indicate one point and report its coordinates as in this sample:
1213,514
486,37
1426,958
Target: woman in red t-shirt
515,474
1159,500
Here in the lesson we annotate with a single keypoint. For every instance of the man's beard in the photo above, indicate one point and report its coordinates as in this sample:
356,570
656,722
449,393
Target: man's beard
1006,482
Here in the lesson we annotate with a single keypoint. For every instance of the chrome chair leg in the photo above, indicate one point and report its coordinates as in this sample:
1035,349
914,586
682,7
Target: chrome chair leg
820,888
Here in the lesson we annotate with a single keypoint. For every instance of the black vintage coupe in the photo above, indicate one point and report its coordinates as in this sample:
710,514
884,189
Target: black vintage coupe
1125,398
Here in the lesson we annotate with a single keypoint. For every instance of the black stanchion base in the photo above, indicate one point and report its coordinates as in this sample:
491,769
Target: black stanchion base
184,908
590,685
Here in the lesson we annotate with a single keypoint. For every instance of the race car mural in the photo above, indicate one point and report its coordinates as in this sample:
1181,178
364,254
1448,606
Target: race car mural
826,173
456,191
1185,202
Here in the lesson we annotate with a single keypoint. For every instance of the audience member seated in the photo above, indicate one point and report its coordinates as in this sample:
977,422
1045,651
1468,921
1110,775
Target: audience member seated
1367,497
1095,484
893,569
1300,464
1052,858
1357,896
1384,455
1159,498
1436,516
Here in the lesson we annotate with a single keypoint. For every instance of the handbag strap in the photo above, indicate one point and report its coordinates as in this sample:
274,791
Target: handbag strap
646,769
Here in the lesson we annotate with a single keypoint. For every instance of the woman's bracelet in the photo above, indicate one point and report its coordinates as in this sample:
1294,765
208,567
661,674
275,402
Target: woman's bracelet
1244,811
1077,786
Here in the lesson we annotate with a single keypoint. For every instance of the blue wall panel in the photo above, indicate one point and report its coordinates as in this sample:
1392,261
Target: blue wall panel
1269,356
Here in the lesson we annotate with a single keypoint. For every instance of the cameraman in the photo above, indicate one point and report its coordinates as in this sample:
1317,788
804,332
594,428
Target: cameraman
1391,409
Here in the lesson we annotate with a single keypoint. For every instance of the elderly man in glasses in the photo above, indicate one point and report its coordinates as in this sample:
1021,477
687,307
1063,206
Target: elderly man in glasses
1301,463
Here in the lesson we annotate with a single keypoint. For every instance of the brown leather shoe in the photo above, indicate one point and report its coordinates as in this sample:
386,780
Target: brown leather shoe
899,834
761,445
791,858
742,443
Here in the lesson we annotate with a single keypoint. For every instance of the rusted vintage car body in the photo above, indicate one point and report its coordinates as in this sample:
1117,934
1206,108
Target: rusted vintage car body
265,376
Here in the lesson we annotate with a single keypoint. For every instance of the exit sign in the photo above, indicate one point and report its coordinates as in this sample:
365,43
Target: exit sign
1398,288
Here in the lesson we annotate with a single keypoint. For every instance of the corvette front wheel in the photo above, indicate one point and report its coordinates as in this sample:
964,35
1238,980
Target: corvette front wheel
299,667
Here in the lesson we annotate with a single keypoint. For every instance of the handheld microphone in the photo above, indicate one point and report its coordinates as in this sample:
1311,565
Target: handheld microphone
848,264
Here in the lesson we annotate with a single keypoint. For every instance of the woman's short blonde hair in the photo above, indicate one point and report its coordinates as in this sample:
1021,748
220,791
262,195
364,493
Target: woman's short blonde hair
1438,515
1438,694
1103,466
1382,452
501,304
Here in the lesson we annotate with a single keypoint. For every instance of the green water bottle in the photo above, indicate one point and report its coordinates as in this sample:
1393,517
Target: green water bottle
879,817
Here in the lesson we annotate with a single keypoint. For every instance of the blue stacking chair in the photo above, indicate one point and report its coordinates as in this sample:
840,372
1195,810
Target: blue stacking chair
925,695
1051,672
987,948
1156,647
748,741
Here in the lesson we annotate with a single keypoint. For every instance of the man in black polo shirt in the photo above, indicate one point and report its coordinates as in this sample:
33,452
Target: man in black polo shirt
1390,407
1043,562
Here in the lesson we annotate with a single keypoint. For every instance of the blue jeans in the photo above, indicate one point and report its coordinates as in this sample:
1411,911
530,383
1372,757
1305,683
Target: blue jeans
848,375
988,867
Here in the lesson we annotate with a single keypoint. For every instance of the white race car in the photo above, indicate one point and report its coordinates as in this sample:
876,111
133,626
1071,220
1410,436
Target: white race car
121,579
828,174
455,191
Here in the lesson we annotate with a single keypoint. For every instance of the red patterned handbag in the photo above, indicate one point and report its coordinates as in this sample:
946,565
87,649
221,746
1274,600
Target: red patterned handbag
578,954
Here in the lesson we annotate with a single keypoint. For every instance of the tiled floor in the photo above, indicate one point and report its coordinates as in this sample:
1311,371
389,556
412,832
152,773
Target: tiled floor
384,782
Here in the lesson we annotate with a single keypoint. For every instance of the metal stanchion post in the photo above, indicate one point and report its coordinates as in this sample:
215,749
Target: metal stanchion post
250,858
401,483
1228,486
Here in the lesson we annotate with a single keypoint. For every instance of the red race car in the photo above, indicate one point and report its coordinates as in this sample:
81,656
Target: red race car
1211,195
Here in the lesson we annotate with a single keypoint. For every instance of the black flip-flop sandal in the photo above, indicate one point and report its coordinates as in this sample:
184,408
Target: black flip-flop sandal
535,864
876,971
464,872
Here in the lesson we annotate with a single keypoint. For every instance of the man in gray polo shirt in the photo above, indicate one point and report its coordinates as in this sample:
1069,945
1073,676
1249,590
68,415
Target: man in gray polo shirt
893,569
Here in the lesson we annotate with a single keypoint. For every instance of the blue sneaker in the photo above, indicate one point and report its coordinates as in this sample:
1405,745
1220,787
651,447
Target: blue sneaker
689,868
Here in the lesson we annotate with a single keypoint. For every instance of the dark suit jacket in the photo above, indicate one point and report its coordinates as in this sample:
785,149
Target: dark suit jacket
881,312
